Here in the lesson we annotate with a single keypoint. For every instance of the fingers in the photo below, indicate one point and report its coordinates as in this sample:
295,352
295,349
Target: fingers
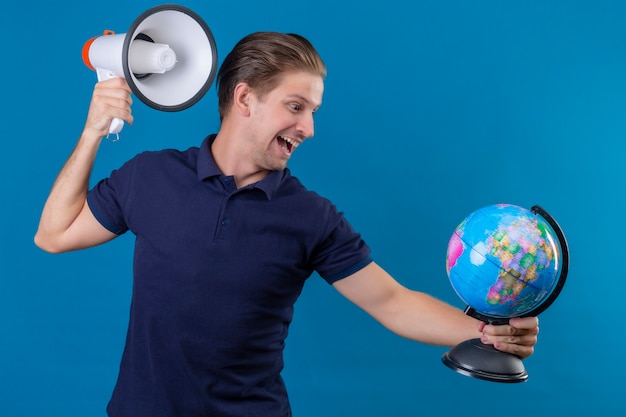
525,323
518,337
111,99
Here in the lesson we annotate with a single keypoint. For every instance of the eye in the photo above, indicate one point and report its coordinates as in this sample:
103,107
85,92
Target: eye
295,106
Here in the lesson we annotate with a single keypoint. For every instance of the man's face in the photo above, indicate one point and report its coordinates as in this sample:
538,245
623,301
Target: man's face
283,118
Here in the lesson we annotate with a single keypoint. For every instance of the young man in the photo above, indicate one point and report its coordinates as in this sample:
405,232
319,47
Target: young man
225,239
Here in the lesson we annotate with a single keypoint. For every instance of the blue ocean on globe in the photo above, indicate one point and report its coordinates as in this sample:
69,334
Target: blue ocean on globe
503,260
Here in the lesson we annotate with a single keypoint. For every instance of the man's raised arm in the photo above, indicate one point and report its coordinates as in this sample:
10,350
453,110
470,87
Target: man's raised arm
66,222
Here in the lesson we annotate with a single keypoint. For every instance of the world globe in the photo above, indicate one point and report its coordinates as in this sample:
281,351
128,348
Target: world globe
504,261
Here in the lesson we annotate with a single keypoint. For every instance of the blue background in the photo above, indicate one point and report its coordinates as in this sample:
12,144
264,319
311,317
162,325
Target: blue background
432,109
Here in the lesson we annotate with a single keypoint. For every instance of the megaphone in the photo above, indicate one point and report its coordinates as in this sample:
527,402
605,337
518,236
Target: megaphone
168,57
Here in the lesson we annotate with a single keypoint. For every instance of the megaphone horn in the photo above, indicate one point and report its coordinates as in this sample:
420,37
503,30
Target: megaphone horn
168,57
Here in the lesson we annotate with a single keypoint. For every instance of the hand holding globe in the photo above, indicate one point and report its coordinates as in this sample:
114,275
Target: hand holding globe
503,261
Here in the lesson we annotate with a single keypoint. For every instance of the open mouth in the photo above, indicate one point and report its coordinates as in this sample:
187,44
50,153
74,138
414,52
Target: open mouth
288,144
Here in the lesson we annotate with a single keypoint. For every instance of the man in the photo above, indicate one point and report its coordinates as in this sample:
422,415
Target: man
225,239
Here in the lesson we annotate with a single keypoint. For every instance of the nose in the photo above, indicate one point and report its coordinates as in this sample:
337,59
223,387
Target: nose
306,125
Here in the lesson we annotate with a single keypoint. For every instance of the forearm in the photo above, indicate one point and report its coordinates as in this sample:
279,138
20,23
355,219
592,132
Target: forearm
411,314
418,316
68,194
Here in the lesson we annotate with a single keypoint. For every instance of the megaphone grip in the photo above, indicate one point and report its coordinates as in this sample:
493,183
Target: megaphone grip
116,125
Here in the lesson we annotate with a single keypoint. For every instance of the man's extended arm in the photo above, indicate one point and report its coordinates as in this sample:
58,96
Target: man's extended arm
418,316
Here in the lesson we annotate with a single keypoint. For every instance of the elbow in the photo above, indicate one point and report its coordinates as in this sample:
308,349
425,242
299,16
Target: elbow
46,244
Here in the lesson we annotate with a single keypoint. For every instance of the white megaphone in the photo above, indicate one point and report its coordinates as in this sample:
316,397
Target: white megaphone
168,58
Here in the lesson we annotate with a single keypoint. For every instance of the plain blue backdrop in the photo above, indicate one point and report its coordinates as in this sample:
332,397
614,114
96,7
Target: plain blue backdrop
432,109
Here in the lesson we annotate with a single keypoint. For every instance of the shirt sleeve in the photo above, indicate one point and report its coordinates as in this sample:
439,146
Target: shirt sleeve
343,252
106,199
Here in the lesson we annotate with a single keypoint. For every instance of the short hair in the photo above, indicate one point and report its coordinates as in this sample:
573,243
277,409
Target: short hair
260,59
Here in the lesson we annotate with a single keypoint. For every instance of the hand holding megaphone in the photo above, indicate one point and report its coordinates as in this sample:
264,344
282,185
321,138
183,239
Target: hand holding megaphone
168,58
116,124
110,99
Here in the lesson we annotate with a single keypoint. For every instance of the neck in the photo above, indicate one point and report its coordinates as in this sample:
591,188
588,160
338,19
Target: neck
232,160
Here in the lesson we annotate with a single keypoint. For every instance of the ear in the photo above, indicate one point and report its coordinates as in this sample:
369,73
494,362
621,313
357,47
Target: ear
242,97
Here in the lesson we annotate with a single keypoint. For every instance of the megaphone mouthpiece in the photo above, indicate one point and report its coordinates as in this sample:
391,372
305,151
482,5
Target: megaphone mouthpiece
85,54
87,47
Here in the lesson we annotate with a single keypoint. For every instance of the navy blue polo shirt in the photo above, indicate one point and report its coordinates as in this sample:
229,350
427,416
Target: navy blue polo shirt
217,271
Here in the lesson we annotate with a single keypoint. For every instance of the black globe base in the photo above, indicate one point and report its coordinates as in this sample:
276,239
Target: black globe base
477,360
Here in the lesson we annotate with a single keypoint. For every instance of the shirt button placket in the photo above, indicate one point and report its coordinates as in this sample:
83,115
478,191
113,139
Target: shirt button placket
224,222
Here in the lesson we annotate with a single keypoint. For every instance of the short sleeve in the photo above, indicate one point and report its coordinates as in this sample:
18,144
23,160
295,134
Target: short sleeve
106,199
342,253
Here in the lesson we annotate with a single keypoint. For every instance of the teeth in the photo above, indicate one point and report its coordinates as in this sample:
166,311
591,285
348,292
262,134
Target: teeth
291,141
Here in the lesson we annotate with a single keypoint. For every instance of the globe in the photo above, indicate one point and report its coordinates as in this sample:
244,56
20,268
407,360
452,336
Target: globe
504,261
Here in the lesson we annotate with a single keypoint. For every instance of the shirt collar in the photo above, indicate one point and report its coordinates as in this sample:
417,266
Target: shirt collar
207,168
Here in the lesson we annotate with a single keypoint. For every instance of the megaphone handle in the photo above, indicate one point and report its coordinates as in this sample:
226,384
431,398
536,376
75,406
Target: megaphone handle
116,124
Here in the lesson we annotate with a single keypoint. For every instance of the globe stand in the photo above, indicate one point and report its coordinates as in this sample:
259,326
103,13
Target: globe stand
478,360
